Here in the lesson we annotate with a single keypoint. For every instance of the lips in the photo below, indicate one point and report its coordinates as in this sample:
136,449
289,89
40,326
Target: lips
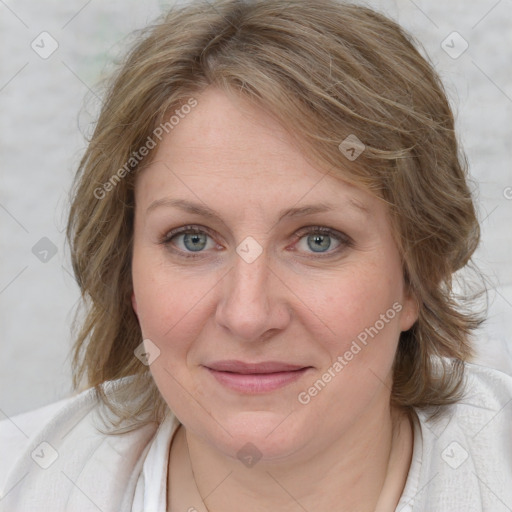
255,378
253,368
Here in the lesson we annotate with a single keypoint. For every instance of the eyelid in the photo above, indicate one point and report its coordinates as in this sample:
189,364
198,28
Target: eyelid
323,230
195,228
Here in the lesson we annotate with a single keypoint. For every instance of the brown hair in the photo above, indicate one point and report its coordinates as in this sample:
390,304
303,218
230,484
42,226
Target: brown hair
326,70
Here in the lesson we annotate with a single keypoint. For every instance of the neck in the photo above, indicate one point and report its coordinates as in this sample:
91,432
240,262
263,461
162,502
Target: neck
364,469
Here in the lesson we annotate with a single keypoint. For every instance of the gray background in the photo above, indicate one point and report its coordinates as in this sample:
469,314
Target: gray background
47,105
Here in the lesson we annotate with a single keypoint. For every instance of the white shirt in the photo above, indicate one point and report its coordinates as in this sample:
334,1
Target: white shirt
54,458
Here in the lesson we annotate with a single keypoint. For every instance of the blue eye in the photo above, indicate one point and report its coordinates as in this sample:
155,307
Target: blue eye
319,241
192,241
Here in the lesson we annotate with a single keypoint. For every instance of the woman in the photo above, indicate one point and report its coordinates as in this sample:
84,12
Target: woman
264,228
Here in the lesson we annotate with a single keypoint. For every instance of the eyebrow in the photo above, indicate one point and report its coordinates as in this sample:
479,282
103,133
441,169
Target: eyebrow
205,211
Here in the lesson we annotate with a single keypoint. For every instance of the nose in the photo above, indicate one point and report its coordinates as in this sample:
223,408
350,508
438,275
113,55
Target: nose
253,305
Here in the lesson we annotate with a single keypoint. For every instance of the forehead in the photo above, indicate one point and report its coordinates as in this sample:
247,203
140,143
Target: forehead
224,129
227,149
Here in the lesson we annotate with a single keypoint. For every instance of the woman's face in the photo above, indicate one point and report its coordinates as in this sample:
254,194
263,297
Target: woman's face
245,252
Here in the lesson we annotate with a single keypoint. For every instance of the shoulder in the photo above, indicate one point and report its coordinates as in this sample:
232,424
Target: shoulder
482,418
16,431
484,413
463,456
486,396
483,383
63,454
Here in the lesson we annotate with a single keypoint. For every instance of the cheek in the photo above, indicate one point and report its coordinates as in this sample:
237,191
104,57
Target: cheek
171,306
360,328
171,313
352,304
358,335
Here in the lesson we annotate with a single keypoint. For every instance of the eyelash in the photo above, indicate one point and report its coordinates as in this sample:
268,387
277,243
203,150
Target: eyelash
344,240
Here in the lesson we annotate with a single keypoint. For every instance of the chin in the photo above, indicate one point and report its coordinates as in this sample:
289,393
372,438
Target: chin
270,435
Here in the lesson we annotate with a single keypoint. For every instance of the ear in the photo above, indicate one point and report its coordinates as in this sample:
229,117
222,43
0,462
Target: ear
410,311
134,303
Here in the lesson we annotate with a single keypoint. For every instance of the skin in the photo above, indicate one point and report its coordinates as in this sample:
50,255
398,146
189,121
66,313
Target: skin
291,304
